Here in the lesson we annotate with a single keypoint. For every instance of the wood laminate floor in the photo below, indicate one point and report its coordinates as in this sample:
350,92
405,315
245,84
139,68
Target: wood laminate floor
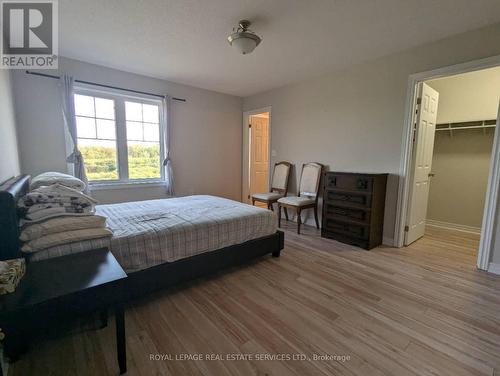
421,310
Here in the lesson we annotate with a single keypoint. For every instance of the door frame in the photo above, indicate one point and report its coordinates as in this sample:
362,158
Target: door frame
487,229
245,183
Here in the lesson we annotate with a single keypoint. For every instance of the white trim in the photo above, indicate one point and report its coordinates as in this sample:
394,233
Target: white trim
388,241
453,226
94,187
244,149
490,206
405,163
494,268
114,92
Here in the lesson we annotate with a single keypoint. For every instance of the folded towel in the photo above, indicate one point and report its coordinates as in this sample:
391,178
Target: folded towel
28,202
50,178
59,238
54,214
60,210
50,205
61,224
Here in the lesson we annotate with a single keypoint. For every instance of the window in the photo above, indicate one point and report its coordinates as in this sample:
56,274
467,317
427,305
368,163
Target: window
119,137
96,130
143,140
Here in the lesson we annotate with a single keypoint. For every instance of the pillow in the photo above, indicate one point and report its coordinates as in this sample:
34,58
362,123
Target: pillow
58,238
61,224
49,178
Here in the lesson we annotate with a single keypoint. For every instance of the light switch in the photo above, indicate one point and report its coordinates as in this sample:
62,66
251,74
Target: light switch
274,153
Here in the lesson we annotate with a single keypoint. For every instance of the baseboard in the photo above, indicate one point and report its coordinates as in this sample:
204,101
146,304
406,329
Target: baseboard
453,226
494,268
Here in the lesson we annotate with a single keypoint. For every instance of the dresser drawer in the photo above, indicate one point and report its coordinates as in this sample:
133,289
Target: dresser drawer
347,229
349,182
345,239
332,211
360,199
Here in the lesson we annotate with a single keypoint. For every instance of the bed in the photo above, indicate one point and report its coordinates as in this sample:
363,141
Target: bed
160,243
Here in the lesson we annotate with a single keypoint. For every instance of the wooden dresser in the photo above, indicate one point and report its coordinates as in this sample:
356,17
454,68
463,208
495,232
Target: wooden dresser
353,208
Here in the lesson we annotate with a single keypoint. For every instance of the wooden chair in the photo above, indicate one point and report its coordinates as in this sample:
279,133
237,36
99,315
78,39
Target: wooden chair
279,186
307,197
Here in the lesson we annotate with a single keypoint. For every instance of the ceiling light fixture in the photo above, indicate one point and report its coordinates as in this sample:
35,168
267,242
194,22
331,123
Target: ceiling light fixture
243,39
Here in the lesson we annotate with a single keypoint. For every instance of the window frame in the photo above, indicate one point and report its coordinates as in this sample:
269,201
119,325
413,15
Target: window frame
119,99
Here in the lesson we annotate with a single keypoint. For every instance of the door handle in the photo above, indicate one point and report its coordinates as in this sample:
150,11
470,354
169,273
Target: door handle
431,175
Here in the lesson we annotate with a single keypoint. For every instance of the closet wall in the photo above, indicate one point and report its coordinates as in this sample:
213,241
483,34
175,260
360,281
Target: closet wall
461,160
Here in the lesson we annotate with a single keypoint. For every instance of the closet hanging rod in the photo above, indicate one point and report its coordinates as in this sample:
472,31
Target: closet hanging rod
106,86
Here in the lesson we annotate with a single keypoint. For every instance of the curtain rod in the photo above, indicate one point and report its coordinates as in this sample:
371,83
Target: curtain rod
106,86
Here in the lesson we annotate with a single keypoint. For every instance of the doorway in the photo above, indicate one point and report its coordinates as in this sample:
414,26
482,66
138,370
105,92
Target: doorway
256,152
451,155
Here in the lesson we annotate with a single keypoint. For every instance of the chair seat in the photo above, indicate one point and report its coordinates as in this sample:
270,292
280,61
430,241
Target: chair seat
296,201
267,196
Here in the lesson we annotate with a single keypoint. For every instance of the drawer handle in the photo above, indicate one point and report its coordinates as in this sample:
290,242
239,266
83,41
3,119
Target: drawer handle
362,184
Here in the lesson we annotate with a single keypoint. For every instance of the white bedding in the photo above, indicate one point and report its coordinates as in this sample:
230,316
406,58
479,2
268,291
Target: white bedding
149,233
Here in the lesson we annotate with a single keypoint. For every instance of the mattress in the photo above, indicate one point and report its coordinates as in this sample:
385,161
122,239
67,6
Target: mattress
149,233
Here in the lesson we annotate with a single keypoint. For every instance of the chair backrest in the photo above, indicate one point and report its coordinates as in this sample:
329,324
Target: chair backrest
281,177
309,179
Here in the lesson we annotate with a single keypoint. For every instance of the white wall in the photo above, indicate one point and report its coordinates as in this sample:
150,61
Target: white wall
9,160
461,162
468,97
206,131
352,120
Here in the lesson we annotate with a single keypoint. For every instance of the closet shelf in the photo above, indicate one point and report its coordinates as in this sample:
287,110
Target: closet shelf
481,124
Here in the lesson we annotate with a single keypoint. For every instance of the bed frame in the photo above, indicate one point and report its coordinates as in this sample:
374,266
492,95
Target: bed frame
154,278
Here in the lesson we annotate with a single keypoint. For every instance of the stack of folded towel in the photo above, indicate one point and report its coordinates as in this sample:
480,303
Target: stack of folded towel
55,212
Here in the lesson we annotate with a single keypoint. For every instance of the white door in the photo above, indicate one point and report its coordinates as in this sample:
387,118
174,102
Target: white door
423,146
259,158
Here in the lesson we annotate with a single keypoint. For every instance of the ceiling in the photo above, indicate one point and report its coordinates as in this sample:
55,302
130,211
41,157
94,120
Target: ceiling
185,40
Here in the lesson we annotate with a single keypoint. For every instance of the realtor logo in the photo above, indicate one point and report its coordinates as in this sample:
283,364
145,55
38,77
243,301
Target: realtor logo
29,34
